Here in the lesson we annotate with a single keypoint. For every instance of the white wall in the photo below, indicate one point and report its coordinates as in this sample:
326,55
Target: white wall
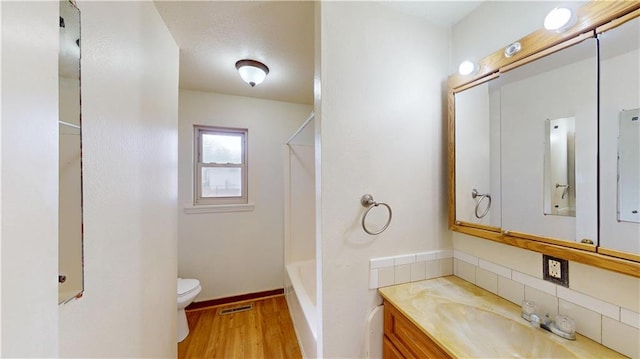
29,179
382,132
129,118
241,252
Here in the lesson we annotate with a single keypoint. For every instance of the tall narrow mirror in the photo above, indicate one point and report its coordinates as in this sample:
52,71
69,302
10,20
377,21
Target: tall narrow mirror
559,167
620,140
70,260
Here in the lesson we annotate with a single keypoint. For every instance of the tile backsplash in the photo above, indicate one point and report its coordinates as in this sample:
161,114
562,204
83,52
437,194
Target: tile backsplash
385,271
609,324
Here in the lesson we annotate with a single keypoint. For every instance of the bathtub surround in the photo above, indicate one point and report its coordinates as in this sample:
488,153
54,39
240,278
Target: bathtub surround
235,253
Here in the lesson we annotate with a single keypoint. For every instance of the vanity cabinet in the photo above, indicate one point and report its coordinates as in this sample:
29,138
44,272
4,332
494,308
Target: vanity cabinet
403,339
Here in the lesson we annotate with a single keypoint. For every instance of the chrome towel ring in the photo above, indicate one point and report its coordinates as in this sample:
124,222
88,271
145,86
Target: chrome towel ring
482,196
368,201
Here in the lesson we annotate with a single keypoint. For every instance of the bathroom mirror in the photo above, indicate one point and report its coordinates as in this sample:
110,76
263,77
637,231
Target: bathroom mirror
559,167
559,77
548,114
70,255
620,140
477,161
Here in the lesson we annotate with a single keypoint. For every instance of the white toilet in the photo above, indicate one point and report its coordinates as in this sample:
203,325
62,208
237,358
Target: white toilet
188,289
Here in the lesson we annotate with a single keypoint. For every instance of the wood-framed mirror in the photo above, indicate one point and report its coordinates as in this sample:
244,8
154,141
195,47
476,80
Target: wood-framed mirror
536,153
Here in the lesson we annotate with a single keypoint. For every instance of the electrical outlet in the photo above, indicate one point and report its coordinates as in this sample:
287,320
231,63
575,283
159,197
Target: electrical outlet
555,270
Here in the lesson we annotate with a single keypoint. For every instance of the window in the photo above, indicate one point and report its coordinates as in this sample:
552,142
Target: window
220,165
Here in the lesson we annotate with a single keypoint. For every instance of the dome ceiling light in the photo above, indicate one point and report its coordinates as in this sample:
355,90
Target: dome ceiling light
252,72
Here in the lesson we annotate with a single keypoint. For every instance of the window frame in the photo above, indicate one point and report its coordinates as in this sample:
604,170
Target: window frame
198,165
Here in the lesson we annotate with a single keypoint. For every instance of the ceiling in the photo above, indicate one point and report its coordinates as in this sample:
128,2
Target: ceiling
213,35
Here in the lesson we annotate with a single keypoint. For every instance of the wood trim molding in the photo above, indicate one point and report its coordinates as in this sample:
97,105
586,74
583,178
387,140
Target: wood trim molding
479,226
619,254
548,51
234,299
619,265
593,18
590,16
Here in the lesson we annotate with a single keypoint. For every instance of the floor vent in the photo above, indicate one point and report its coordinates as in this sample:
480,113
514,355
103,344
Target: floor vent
240,308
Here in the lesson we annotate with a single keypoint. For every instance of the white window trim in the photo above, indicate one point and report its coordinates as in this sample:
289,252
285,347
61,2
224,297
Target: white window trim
219,208
228,202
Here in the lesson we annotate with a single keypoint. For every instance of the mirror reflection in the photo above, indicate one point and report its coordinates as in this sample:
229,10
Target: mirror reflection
559,167
478,155
70,265
620,138
629,167
537,178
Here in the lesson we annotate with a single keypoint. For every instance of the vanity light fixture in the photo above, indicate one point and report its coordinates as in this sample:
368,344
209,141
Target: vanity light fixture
252,72
559,19
468,68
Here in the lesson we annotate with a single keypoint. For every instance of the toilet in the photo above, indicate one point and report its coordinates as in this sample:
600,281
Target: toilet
188,289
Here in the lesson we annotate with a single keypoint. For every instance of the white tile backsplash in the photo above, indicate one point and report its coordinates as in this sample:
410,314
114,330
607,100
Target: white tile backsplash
403,274
409,267
426,256
537,283
373,279
606,323
610,310
495,268
630,317
386,276
381,262
487,280
588,321
621,337
465,258
418,271
404,259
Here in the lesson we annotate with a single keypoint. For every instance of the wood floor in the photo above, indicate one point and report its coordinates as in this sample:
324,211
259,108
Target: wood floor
266,331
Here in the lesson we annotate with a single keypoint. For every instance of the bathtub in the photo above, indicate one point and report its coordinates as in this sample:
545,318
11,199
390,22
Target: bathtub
301,299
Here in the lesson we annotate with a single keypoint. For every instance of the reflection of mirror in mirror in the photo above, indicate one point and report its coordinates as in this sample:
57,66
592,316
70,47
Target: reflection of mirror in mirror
619,91
559,167
477,131
629,167
70,262
561,85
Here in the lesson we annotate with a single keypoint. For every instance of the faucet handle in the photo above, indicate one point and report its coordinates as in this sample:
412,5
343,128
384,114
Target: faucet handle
565,327
528,309
566,324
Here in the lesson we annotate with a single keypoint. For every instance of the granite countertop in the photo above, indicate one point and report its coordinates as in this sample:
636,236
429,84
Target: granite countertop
468,321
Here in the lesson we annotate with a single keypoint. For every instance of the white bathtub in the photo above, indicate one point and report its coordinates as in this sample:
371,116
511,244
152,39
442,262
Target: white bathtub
301,298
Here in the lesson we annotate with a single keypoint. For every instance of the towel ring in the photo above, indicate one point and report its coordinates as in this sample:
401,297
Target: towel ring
368,201
482,196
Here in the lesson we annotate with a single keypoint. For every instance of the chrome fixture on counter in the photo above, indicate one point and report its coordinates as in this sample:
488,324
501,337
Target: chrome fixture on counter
563,326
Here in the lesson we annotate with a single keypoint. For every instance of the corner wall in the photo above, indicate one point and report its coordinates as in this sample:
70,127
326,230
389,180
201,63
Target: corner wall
129,123
29,167
382,132
236,252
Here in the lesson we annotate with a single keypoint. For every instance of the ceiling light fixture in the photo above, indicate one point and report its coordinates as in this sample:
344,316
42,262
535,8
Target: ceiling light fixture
559,19
252,72
468,68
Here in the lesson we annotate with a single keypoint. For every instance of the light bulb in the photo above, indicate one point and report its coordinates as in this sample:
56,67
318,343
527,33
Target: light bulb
467,68
559,19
